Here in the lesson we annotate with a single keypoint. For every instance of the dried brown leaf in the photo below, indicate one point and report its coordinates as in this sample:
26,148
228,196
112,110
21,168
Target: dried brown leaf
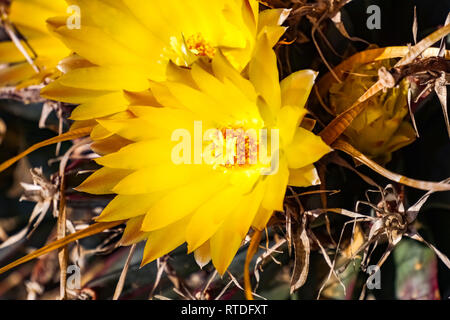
441,91
302,249
422,185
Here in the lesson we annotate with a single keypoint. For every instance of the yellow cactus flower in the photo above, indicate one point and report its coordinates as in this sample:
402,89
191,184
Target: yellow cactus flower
126,43
29,17
383,126
187,172
149,73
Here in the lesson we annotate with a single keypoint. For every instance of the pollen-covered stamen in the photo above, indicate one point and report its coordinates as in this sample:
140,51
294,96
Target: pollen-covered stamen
200,47
241,147
234,148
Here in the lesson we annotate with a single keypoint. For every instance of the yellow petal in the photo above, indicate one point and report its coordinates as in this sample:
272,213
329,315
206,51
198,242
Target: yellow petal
202,255
83,124
295,89
158,177
100,133
225,93
132,233
72,62
10,53
47,48
208,218
103,181
146,98
15,74
262,217
148,14
182,201
305,149
109,145
239,57
131,129
33,13
165,121
276,188
163,241
272,18
227,240
304,177
263,73
198,102
139,155
223,70
100,107
105,78
114,19
289,118
274,34
125,207
92,43
223,249
56,91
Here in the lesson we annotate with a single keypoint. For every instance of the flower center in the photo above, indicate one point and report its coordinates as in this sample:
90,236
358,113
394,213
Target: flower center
233,148
241,148
200,47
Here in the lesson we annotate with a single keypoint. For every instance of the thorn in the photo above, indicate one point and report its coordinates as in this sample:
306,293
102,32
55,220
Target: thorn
415,26
441,92
442,47
411,114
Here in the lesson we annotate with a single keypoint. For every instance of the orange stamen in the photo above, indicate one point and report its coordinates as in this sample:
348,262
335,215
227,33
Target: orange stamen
200,47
